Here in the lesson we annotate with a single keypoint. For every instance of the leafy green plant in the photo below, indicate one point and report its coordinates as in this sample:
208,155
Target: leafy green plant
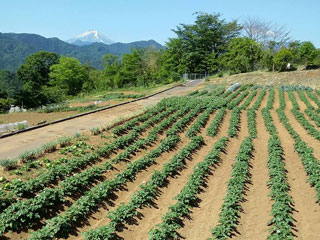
8,164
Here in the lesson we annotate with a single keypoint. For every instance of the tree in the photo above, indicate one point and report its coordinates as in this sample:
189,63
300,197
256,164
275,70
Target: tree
265,32
111,65
307,53
207,38
69,75
34,74
281,59
243,55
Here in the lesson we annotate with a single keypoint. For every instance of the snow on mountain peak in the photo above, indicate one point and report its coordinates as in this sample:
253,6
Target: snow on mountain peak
89,37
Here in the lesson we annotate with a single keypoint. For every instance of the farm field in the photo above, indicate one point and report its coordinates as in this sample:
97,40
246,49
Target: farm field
213,164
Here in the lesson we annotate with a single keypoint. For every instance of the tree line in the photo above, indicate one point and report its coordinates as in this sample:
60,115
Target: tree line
211,45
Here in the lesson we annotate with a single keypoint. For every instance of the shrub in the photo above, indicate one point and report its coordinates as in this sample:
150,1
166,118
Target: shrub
4,105
8,164
307,53
281,59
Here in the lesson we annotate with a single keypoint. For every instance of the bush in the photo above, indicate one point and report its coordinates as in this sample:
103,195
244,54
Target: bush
281,59
8,164
307,53
4,105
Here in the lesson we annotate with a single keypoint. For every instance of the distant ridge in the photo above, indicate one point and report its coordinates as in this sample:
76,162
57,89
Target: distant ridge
14,48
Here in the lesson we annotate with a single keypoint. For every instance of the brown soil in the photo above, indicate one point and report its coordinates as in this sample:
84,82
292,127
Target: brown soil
257,207
34,118
306,212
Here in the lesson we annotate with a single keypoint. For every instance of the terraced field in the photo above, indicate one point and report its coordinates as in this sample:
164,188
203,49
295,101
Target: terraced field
214,164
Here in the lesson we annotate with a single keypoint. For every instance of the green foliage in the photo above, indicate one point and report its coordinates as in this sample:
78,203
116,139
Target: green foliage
243,55
34,74
307,53
4,105
68,75
281,59
198,46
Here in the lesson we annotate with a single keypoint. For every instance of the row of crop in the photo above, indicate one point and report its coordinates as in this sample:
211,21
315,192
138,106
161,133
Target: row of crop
62,224
58,172
234,122
259,99
234,94
249,99
200,122
313,116
293,100
314,98
282,220
146,194
127,176
231,207
187,198
75,183
216,122
282,102
236,101
124,128
270,99
251,119
305,100
310,163
306,124
67,187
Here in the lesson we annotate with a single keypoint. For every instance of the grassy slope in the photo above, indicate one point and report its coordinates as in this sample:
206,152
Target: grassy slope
307,78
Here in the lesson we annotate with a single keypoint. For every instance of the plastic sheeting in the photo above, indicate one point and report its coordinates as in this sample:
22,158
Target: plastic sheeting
12,126
234,87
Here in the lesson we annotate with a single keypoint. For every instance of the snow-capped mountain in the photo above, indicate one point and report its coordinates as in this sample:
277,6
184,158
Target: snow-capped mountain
90,37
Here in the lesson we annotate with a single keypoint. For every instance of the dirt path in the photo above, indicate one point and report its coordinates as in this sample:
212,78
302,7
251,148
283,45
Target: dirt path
206,216
13,146
289,105
257,207
276,103
307,210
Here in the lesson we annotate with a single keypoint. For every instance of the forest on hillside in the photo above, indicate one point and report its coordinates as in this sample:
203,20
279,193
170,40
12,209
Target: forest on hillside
211,45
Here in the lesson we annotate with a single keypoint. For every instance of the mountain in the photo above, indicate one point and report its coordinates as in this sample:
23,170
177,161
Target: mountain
89,37
14,48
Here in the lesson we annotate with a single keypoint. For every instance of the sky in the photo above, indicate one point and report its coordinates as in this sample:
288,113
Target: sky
134,20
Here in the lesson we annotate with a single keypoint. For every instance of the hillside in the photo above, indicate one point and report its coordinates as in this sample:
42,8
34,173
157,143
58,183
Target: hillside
307,78
14,48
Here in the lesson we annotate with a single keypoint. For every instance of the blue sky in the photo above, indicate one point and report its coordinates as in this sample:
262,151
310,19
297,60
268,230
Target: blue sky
132,20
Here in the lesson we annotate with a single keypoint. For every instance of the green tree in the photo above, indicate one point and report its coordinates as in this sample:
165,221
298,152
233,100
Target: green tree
34,74
207,38
307,53
111,69
69,75
281,59
243,55
294,48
